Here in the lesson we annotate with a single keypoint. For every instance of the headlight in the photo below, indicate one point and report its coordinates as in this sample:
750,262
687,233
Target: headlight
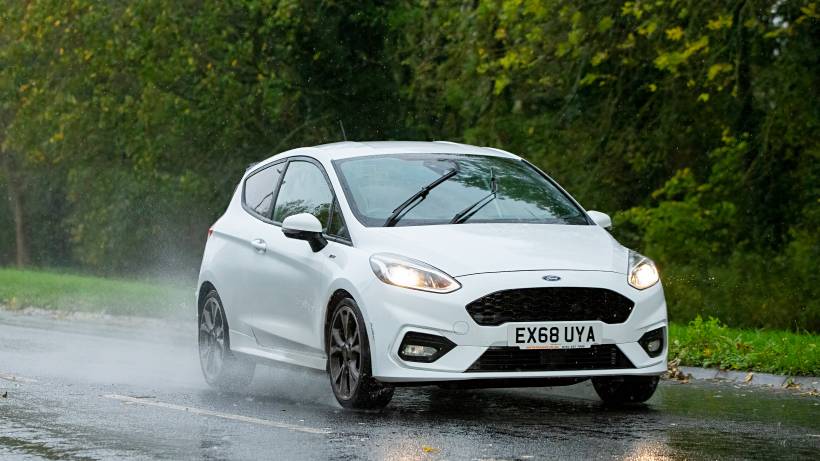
642,271
409,273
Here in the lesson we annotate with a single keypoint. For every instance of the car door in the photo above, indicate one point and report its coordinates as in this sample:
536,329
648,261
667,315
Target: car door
243,253
293,280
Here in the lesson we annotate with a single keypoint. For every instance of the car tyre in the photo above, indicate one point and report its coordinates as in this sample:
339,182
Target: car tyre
221,368
625,389
349,363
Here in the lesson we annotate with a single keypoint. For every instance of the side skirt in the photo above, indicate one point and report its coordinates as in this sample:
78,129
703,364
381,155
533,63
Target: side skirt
247,346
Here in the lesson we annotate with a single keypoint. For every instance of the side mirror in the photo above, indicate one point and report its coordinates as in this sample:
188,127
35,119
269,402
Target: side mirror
305,226
601,219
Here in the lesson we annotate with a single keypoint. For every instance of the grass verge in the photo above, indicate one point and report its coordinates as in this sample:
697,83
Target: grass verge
704,343
68,292
709,343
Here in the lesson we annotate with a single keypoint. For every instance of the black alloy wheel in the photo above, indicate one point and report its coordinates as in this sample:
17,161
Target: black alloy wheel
349,361
220,367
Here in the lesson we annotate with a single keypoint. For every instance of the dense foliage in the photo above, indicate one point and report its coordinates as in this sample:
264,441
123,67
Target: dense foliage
705,343
125,125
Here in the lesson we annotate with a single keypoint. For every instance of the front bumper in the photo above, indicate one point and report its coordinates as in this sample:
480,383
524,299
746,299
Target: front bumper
393,312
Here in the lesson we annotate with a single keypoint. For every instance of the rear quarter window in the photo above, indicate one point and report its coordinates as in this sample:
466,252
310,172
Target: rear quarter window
259,188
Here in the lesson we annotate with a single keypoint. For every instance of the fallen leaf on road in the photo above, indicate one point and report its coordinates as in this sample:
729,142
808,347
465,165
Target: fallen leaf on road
674,372
429,449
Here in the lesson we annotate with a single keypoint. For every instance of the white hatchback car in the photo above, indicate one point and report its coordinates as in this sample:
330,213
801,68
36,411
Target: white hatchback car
418,263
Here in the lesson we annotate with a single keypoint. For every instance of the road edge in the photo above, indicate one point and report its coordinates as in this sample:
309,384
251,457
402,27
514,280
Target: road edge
752,378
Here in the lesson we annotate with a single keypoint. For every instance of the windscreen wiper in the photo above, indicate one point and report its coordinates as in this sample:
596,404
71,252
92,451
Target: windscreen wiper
417,198
471,210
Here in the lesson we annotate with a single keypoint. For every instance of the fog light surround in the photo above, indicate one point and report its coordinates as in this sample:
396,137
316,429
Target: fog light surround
424,347
653,341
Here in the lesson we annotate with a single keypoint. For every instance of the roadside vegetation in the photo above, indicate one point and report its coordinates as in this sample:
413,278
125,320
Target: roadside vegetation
705,343
80,293
709,343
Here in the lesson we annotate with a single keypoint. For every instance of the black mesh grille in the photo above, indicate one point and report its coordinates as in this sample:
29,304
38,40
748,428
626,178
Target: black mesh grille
550,304
601,357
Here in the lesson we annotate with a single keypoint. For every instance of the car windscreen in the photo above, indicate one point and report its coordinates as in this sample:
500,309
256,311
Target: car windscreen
376,185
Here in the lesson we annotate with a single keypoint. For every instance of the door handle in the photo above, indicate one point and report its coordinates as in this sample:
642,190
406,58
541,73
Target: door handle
259,245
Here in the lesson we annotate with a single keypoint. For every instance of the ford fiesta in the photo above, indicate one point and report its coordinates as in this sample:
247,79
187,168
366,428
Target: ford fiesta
418,263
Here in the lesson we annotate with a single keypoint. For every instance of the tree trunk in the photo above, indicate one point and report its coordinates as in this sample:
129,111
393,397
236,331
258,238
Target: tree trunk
16,199
744,119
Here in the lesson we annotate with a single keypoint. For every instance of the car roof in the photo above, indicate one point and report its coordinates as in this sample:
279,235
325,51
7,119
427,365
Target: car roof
349,149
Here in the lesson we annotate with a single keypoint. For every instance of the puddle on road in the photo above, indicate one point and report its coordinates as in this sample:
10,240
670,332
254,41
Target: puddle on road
696,420
35,440
682,421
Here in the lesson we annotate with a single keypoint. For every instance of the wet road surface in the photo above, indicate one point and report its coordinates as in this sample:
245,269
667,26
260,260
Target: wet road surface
97,390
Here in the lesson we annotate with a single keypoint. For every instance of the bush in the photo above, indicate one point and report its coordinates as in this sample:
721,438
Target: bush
712,344
717,259
751,291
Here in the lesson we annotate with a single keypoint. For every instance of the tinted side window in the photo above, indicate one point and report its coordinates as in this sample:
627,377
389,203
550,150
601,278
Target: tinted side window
304,190
259,190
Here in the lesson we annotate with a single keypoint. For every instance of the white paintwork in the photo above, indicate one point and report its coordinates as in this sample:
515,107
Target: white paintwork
601,219
276,300
302,222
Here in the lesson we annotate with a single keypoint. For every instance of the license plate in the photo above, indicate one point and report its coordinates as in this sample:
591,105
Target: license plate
574,335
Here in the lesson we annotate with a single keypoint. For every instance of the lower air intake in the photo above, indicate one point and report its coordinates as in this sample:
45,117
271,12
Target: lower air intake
511,359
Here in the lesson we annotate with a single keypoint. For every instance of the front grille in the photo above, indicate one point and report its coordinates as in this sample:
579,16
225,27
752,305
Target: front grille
600,357
550,304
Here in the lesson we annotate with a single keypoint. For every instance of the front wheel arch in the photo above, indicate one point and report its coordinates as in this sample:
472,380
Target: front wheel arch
335,299
204,289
